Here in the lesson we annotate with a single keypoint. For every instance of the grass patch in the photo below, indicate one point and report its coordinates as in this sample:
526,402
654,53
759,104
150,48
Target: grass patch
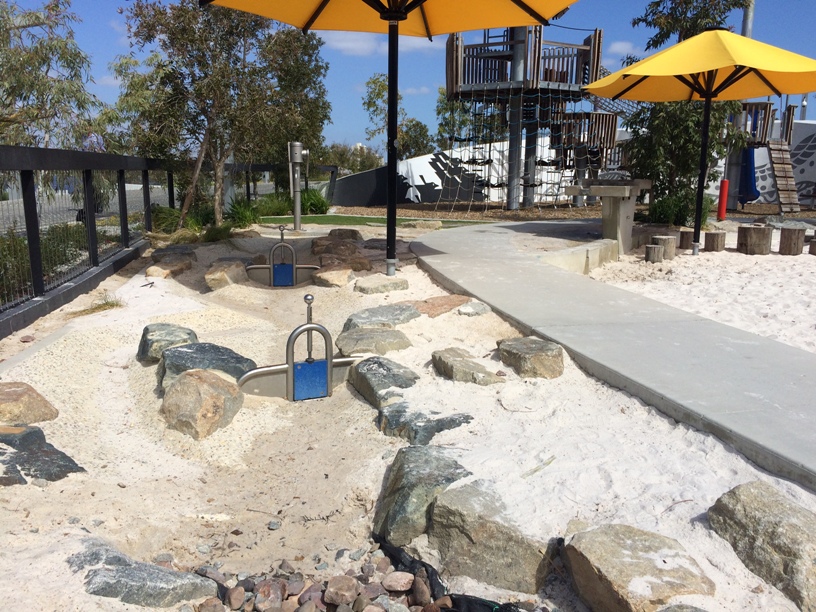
357,220
106,302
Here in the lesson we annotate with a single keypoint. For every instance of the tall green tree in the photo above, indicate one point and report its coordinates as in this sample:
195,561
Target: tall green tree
44,99
413,136
221,83
666,137
453,119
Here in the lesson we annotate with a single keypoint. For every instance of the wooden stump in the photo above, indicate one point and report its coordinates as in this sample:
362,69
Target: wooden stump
754,239
715,241
654,253
669,244
812,249
792,241
686,236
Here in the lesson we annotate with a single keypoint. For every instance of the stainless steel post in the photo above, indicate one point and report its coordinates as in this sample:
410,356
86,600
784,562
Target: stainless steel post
295,160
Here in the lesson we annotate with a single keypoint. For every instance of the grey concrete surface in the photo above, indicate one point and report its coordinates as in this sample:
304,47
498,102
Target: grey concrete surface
753,393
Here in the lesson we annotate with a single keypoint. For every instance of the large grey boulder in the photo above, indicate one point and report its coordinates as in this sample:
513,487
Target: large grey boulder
185,250
113,574
388,316
417,475
397,420
21,404
24,451
458,365
371,340
532,357
159,336
346,233
774,537
333,276
200,402
470,530
170,266
379,283
201,356
378,380
623,569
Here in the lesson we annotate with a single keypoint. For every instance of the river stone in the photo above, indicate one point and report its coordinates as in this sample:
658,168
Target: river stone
458,365
159,336
201,356
346,233
398,581
473,309
332,246
388,316
224,273
341,590
378,379
21,404
113,574
470,530
439,305
397,421
169,266
184,250
774,537
371,340
379,283
24,450
417,475
338,275
532,357
199,402
623,569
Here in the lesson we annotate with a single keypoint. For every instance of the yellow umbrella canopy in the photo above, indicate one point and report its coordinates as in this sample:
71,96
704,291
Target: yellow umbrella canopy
416,17
714,65
410,17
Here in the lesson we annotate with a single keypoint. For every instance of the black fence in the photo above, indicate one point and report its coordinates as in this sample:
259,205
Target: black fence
68,219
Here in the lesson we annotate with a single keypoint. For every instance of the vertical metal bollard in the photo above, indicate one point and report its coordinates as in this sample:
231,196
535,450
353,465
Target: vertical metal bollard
295,160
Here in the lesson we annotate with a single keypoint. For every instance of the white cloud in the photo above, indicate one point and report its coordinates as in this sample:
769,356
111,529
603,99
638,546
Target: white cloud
121,29
622,48
108,80
362,44
416,91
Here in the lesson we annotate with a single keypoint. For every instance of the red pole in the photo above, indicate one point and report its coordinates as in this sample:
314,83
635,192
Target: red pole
723,200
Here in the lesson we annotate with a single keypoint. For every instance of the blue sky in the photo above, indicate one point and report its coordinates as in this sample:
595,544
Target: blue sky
353,58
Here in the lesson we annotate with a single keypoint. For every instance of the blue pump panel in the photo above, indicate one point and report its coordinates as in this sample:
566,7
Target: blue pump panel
311,379
283,275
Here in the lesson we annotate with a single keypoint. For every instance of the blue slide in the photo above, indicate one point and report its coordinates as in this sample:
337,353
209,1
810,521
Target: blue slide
748,191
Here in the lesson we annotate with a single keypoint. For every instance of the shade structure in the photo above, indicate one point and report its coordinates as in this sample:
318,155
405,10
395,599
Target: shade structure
715,65
395,17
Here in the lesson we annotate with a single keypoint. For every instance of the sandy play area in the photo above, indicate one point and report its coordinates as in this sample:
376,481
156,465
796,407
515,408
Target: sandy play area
554,450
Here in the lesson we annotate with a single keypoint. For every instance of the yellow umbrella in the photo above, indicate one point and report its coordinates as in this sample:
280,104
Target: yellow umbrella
395,17
714,65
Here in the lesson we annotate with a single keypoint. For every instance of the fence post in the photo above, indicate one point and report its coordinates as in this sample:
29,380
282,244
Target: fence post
90,216
148,216
171,193
32,222
124,227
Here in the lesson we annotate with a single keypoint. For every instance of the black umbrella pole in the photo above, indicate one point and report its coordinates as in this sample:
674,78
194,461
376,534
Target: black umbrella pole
391,146
698,211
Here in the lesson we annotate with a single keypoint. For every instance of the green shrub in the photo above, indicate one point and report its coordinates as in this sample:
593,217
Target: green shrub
274,205
200,216
312,202
242,213
679,208
165,219
215,234
15,269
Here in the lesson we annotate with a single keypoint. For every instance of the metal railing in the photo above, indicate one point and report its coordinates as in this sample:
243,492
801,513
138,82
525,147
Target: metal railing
66,214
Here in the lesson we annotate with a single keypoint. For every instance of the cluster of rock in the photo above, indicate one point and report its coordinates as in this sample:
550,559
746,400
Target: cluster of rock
200,395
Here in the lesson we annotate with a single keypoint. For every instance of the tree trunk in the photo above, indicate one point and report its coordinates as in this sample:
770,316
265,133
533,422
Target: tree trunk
190,196
754,239
791,241
654,253
715,241
218,191
669,244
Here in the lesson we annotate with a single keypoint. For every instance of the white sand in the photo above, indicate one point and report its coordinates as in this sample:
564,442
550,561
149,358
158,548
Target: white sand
570,448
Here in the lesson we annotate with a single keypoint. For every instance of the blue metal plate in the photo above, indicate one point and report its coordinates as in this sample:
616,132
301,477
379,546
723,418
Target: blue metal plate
311,379
283,275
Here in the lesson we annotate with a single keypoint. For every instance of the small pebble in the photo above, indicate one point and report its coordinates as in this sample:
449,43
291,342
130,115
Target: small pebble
73,520
357,554
273,525
322,566
203,549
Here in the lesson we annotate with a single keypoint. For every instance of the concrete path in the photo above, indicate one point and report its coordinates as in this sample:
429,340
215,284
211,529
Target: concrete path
756,394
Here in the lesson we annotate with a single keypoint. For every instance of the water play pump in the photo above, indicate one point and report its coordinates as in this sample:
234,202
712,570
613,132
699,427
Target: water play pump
300,380
281,274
